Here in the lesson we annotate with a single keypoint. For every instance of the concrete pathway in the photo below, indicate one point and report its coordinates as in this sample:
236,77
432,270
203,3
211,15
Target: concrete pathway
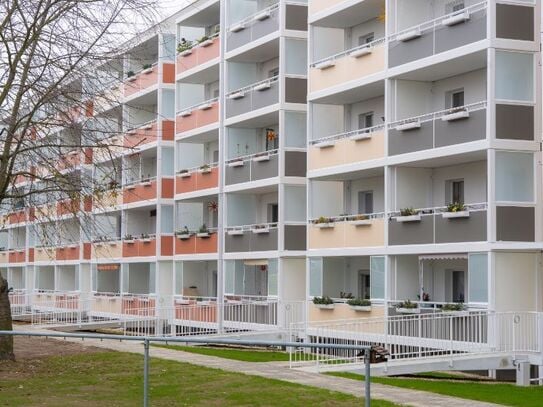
281,371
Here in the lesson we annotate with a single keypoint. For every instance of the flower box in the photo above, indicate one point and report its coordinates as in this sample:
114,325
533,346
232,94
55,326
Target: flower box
186,53
235,232
131,186
408,310
325,64
132,78
237,27
361,222
205,170
234,164
146,240
454,215
410,218
130,241
184,236
326,144
262,86
361,308
205,106
409,126
260,231
203,235
328,225
409,35
361,52
324,306
146,183
147,71
185,174
206,43
462,114
185,113
456,19
261,158
360,137
236,95
147,126
263,15
131,131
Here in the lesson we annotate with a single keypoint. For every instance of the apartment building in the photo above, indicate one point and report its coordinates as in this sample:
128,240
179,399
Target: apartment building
281,158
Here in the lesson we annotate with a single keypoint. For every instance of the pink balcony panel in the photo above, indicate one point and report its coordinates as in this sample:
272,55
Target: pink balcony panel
198,56
196,244
140,192
68,253
197,181
17,256
139,248
141,81
141,306
197,118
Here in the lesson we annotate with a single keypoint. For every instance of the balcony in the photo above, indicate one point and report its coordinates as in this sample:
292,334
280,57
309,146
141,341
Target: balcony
142,246
316,6
67,207
16,217
202,114
439,35
16,256
251,238
146,189
439,129
196,242
341,311
355,63
148,78
197,179
252,167
69,252
253,97
148,133
45,254
199,54
253,27
107,248
347,148
347,231
437,225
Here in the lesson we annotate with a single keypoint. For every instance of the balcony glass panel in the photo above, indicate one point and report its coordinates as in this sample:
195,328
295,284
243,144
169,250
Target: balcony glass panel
478,277
514,176
514,65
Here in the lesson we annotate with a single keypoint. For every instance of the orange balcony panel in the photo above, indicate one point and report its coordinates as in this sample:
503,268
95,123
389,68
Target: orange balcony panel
141,306
140,192
166,245
141,81
167,187
139,248
185,246
197,118
206,244
198,56
87,204
168,73
66,301
68,253
68,206
197,181
32,214
17,217
31,254
130,249
142,135
168,130
88,155
185,184
17,256
89,108
87,251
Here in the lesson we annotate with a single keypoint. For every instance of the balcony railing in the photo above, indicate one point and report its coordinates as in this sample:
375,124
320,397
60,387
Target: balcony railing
251,238
437,225
255,96
253,27
199,115
441,34
196,242
198,54
355,52
197,178
139,246
252,167
142,134
438,129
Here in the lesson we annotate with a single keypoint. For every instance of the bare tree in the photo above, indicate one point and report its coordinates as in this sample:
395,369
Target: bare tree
59,61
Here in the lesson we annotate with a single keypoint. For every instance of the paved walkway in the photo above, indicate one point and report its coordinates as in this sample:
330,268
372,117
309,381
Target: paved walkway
281,371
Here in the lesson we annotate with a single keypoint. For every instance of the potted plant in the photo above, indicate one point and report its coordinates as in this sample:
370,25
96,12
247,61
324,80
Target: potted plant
145,237
205,169
205,41
408,307
183,234
203,232
128,238
147,68
130,74
184,173
323,302
456,210
360,304
324,222
454,308
259,229
184,47
408,215
360,220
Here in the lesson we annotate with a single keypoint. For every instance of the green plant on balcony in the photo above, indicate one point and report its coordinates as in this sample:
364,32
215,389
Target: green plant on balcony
203,229
113,185
184,45
144,236
146,66
128,237
323,219
407,304
360,217
205,168
202,39
325,300
345,295
456,207
457,306
130,74
359,302
425,296
408,212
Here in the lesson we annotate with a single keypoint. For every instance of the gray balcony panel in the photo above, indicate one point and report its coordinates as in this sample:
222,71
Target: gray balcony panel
472,229
402,52
238,39
295,163
295,237
265,169
461,131
296,18
238,106
422,232
241,243
265,27
266,97
263,241
400,142
235,175
514,122
514,22
515,224
457,35
295,90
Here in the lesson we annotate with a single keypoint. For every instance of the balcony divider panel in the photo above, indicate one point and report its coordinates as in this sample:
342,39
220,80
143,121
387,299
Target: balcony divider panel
515,22
461,131
422,232
465,33
295,163
515,223
472,229
514,122
295,237
401,142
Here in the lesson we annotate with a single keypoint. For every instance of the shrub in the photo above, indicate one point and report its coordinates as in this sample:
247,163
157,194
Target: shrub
456,207
359,302
322,300
407,304
457,306
408,212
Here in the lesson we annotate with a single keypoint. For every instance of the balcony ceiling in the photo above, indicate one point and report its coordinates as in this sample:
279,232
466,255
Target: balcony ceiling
353,15
355,94
147,99
207,75
452,67
448,161
201,17
204,137
265,120
354,175
200,199
267,189
261,53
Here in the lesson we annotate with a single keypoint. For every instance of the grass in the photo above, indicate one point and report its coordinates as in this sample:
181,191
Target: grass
492,392
234,354
115,379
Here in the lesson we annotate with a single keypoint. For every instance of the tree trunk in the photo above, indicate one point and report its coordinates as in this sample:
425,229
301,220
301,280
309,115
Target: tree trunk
6,342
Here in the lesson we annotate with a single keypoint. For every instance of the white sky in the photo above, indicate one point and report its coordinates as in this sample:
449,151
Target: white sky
168,7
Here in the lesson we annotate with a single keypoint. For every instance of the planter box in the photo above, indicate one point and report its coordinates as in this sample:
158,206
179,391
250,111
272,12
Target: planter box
361,52
325,225
237,27
205,106
410,218
235,232
185,174
146,240
203,234
325,64
263,15
132,78
130,241
236,95
206,43
408,126
263,86
185,236
361,308
325,144
409,35
457,19
185,113
261,158
463,313
362,222
324,306
147,70
236,164
146,183
462,114
205,170
408,310
186,53
147,127
258,231
454,215
360,137
131,186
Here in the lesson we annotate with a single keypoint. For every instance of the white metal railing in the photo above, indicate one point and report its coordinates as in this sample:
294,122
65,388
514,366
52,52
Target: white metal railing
251,87
139,181
474,207
197,168
436,115
248,228
189,109
347,218
140,236
437,22
348,134
252,18
148,123
138,72
349,51
249,157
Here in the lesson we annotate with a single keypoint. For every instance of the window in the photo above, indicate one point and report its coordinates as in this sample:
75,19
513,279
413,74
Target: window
458,286
366,39
454,191
364,284
273,213
273,72
454,6
365,202
365,120
455,98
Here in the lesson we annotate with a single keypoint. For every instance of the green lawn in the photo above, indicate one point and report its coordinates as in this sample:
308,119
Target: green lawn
115,379
234,354
499,393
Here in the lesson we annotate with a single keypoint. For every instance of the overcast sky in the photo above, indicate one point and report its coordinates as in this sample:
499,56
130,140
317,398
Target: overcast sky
168,7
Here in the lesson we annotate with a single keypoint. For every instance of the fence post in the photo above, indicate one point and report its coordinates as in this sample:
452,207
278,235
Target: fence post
367,373
145,372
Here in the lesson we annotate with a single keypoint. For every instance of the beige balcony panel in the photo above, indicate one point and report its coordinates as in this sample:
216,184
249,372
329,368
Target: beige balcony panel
44,254
347,69
107,304
346,312
107,250
344,234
